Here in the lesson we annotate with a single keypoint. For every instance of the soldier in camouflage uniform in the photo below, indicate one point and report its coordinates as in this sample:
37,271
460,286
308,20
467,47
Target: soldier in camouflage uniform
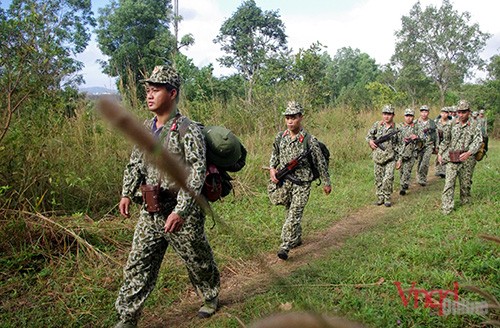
427,133
407,149
180,220
483,123
287,146
464,136
442,125
384,160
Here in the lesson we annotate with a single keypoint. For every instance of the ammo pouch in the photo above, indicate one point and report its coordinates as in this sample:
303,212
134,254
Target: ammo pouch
151,197
455,155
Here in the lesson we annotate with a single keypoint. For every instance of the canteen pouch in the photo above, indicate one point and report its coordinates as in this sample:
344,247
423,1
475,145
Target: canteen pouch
455,156
151,197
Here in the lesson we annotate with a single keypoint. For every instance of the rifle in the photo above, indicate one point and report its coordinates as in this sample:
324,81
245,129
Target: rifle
290,167
379,141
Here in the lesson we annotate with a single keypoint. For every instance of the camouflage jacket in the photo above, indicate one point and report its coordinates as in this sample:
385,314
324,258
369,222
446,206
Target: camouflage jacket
392,146
483,124
442,129
192,152
427,132
407,146
286,148
465,137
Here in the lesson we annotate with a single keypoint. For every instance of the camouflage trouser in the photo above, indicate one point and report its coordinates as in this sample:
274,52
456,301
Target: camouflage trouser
464,173
291,232
423,162
148,248
384,180
405,172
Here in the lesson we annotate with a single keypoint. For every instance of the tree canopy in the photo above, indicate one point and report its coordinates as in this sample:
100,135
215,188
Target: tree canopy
441,43
135,36
38,43
250,37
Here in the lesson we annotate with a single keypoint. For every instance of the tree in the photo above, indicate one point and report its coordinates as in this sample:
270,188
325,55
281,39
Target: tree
350,72
494,67
38,43
250,38
311,68
135,36
441,43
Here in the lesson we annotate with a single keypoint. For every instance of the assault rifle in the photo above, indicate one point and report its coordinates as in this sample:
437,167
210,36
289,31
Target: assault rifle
290,167
379,141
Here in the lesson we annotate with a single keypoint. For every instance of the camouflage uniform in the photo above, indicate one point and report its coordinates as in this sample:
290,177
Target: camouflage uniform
286,148
483,124
150,241
465,137
426,133
442,130
407,151
384,160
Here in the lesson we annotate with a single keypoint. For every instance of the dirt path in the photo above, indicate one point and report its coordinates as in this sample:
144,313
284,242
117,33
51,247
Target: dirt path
240,280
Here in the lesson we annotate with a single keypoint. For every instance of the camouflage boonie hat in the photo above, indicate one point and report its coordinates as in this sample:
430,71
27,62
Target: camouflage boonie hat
463,105
409,112
164,75
293,108
388,109
424,107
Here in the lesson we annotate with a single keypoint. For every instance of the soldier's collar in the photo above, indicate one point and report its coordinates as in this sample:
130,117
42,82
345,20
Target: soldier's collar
300,136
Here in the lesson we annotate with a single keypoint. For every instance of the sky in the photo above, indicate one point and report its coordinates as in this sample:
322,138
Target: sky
368,25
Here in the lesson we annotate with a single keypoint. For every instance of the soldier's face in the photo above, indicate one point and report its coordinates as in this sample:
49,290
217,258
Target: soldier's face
463,115
424,114
158,98
387,117
293,122
408,119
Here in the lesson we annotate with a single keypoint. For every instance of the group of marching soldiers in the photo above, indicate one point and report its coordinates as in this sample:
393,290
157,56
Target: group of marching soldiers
455,136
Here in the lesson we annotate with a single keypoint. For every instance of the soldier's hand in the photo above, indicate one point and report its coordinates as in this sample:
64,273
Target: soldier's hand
173,223
398,164
272,174
464,156
327,189
373,146
124,206
440,159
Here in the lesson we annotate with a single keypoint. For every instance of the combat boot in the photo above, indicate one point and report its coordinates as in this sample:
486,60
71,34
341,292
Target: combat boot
209,308
283,254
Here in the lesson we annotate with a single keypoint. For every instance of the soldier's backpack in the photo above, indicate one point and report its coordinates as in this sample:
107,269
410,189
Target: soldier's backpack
324,151
482,150
225,153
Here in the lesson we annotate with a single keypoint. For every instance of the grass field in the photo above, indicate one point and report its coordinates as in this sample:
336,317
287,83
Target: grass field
65,270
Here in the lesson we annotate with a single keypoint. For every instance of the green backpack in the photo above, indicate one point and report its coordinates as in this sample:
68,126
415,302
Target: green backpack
225,153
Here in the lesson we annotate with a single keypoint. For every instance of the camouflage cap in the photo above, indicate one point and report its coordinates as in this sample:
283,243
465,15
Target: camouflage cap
388,109
481,111
445,109
164,75
409,111
463,105
453,109
424,107
293,108
475,114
